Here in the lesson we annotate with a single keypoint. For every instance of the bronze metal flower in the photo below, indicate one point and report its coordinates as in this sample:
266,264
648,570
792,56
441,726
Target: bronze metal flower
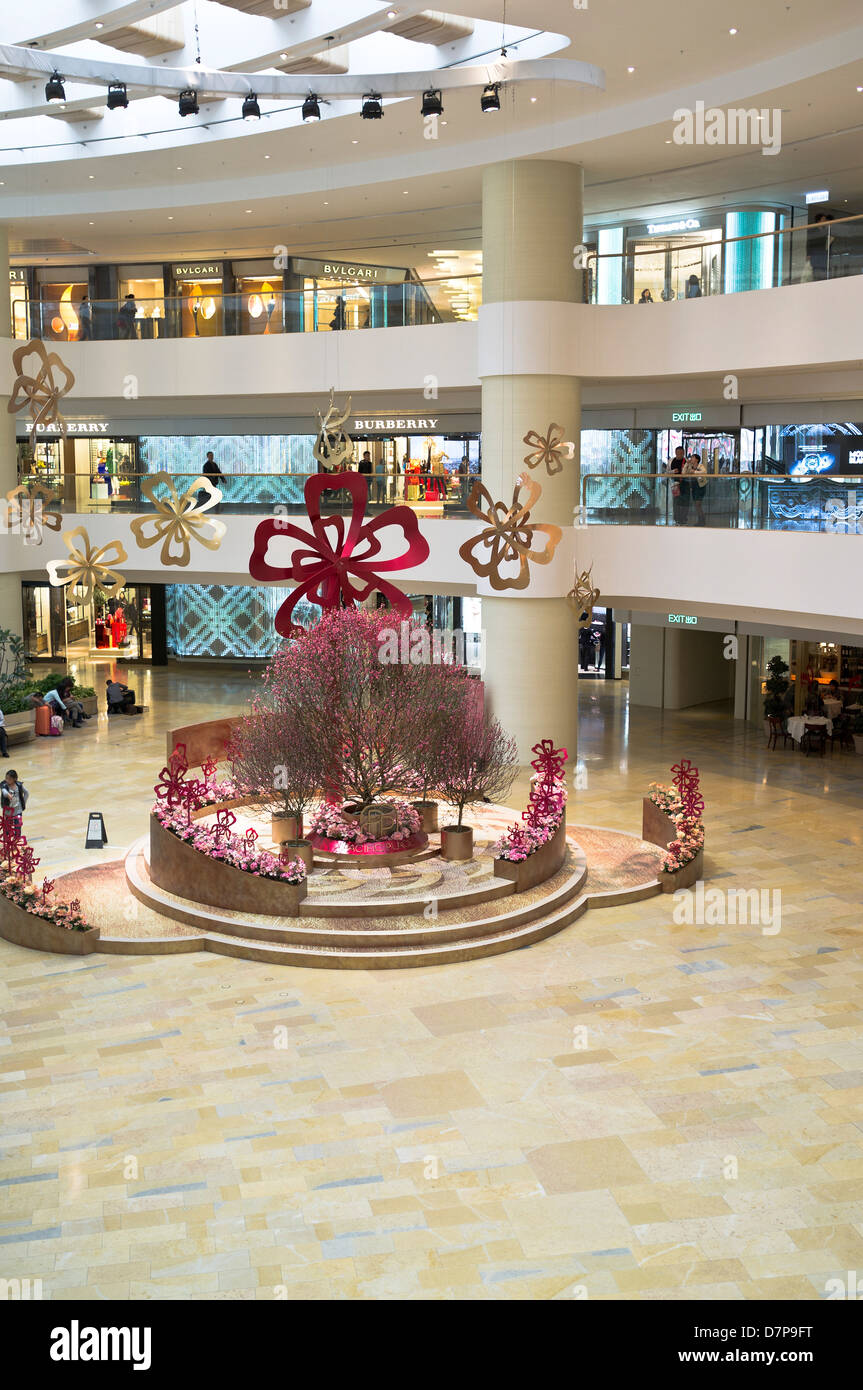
508,536
583,597
179,520
551,449
41,385
25,512
88,565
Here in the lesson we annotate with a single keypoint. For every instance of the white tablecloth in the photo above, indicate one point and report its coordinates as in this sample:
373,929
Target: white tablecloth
796,727
833,707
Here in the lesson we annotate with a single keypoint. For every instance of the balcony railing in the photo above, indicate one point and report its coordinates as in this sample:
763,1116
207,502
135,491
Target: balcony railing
727,501
336,308
725,265
430,494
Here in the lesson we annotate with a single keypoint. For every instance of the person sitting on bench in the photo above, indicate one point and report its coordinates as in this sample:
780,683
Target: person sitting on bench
57,705
121,700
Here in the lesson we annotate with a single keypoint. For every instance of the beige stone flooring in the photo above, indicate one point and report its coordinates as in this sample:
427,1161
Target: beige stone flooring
634,1109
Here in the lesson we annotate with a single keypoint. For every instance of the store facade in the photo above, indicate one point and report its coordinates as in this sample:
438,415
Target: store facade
205,297
688,255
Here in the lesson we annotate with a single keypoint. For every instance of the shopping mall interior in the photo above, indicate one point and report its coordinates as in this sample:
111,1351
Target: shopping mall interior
409,886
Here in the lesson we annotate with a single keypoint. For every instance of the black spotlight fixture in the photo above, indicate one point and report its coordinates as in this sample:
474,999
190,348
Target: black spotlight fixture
432,104
311,109
55,92
117,96
490,99
372,107
251,109
188,102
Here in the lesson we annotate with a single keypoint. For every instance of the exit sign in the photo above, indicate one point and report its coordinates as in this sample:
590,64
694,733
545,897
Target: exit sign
683,619
686,417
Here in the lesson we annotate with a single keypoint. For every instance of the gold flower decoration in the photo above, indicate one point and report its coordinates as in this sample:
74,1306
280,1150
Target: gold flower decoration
88,565
550,450
179,519
41,385
583,597
25,510
508,536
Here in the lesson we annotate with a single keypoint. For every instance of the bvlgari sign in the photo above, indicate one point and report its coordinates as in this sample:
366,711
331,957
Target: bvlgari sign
198,270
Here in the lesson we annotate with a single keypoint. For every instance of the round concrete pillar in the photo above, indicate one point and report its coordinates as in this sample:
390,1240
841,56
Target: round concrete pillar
10,584
531,222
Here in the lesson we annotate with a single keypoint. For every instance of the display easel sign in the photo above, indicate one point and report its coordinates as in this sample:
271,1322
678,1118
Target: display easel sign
97,835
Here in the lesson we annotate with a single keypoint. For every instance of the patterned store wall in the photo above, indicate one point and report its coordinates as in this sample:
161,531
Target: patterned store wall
218,620
257,454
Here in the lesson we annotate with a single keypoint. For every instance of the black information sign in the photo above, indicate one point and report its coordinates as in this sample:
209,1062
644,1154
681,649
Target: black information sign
97,835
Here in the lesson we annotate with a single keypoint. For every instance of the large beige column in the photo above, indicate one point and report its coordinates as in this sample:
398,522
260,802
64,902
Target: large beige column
10,584
531,223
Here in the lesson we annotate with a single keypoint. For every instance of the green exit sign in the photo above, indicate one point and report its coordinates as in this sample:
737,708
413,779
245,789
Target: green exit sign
683,619
686,417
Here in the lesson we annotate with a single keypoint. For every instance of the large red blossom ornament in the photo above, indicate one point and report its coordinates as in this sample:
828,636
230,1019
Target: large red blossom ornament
10,834
336,564
170,786
224,820
548,760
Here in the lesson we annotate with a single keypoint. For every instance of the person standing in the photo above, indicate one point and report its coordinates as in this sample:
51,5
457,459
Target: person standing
696,482
14,796
214,475
679,505
85,321
339,317
126,317
693,287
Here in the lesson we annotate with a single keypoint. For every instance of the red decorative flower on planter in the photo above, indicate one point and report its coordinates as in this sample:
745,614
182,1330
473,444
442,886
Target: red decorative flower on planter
10,834
548,760
224,820
47,888
171,783
251,835
336,564
26,861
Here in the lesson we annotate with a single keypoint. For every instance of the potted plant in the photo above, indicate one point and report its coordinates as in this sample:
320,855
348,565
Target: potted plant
478,763
776,689
274,757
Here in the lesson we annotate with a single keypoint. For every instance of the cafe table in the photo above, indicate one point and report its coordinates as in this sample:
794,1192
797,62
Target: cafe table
797,726
833,707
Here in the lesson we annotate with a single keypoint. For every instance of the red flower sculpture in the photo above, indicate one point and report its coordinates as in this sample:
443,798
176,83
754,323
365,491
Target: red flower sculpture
209,768
178,760
251,835
686,781
47,888
170,786
336,564
26,861
224,820
10,834
549,760
193,795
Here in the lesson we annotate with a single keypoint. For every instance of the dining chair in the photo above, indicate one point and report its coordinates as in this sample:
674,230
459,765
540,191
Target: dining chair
814,735
777,728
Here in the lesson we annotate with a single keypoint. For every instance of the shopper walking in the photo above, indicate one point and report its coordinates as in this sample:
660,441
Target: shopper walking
13,796
126,316
214,475
679,502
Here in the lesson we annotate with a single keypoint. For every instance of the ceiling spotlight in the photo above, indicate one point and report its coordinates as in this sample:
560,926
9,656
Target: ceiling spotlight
55,92
188,102
630,69
311,109
490,99
117,96
372,108
251,109
432,104
732,32
392,14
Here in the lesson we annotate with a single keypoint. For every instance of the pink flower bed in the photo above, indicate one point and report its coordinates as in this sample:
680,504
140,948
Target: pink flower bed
689,839
330,822
40,903
241,852
547,801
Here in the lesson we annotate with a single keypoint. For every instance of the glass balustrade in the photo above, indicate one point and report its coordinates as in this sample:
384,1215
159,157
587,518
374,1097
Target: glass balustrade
726,501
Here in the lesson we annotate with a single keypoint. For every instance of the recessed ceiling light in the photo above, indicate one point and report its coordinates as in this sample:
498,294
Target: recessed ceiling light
404,193
266,156
283,56
91,176
860,89
248,210
392,14
668,142
630,69
326,204
99,24
732,32
92,224
179,168
533,98
356,142
170,217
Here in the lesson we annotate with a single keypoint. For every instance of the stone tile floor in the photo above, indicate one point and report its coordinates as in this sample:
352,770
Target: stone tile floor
639,1107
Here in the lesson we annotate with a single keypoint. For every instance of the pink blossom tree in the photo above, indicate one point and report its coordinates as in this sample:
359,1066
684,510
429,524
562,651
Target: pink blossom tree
274,758
479,762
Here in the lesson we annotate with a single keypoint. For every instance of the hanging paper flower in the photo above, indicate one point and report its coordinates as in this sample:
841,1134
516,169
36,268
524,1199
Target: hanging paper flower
179,519
88,566
336,562
550,449
508,536
41,380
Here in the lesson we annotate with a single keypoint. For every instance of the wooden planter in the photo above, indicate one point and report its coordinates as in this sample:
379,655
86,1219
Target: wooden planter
456,843
286,828
21,728
298,849
90,704
181,869
537,867
685,877
427,812
656,827
38,934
